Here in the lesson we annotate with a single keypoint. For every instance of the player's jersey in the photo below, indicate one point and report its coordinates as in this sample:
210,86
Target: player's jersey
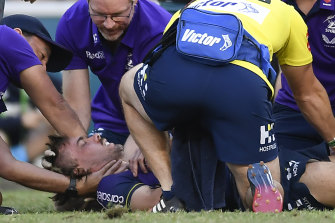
270,22
321,37
16,55
77,32
118,189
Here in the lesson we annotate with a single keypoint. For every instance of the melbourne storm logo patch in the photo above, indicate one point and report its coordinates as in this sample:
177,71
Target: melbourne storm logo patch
329,34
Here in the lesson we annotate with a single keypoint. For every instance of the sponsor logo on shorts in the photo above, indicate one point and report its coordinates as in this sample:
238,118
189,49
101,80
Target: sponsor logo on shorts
292,169
267,139
141,80
301,202
102,196
97,55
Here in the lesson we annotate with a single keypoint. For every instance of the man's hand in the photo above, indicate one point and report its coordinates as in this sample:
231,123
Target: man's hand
47,153
90,183
137,160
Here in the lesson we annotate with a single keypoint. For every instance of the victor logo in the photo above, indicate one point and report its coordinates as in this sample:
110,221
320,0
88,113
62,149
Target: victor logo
205,39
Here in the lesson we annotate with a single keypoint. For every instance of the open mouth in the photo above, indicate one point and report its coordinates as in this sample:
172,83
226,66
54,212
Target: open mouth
105,143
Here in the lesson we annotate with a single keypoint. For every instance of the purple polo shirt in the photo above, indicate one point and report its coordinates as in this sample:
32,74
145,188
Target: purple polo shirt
77,32
322,42
16,55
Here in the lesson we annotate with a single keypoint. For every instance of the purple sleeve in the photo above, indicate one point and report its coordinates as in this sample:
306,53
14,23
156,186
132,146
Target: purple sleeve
148,178
16,55
66,37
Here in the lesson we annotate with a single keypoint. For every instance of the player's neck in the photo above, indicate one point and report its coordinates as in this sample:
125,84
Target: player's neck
305,5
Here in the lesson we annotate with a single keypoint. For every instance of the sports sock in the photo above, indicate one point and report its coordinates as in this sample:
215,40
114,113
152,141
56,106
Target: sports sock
167,194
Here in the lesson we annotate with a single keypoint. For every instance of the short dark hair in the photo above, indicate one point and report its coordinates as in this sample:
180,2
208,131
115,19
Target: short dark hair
62,163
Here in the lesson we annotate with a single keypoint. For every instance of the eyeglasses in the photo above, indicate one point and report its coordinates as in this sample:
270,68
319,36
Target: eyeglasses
100,18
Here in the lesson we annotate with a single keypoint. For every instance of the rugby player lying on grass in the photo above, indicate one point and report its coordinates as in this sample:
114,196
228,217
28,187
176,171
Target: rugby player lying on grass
79,157
302,173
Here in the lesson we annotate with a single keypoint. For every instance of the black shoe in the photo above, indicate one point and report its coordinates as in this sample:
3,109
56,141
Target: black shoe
266,198
8,210
172,205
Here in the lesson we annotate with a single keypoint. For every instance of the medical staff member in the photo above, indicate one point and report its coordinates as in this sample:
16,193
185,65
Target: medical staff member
232,101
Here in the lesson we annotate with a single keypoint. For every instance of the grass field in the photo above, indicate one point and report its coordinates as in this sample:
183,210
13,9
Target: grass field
35,206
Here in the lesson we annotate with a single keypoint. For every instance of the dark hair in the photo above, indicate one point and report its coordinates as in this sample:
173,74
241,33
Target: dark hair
62,163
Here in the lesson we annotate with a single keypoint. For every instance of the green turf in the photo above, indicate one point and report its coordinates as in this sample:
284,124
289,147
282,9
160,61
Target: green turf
36,206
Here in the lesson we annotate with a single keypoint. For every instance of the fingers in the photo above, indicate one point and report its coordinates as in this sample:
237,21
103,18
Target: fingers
143,166
48,152
133,166
46,164
124,166
110,167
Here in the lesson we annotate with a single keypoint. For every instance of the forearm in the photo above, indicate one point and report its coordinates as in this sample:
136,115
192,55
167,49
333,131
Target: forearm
317,111
83,112
312,99
45,180
28,174
76,91
50,102
63,118
42,179
35,177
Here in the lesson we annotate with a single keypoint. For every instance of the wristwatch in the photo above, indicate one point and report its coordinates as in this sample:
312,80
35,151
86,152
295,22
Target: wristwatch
72,190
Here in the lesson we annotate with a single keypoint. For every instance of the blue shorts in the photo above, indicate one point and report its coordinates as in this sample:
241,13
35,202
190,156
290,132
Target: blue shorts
199,179
117,189
293,166
292,130
229,101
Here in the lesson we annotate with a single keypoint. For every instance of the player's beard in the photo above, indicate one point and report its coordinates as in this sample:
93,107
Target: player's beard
114,34
118,152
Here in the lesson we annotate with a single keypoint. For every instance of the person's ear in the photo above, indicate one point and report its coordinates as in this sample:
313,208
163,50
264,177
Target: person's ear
19,31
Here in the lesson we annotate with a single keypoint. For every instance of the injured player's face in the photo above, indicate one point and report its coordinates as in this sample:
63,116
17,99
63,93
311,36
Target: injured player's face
92,153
